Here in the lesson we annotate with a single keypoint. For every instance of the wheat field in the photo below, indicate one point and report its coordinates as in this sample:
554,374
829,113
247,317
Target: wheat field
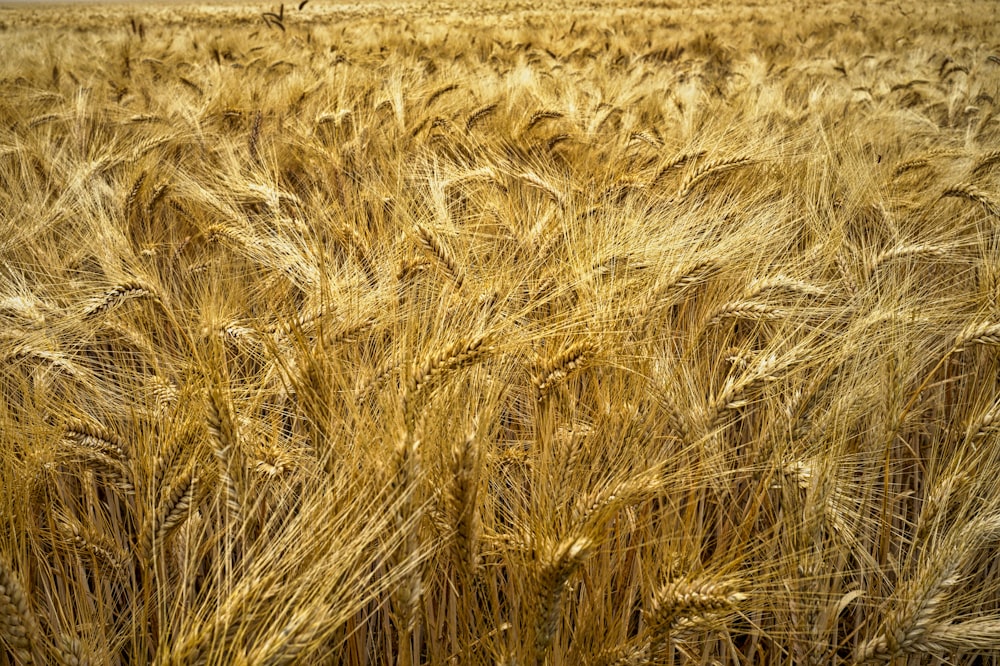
396,333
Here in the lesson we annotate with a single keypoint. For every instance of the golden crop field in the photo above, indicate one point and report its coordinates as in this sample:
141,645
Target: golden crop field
506,333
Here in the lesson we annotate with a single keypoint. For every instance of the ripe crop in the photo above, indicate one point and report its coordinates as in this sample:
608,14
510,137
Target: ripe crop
522,333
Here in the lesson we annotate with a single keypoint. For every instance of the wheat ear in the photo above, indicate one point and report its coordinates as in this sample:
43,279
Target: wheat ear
174,508
433,97
52,359
225,445
984,333
915,614
969,637
462,497
133,194
254,139
445,259
675,164
117,296
710,169
539,116
86,540
428,372
478,115
682,600
910,165
681,279
905,251
72,652
555,568
735,391
600,507
972,193
97,438
18,627
988,422
536,181
985,161
784,285
744,309
556,369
